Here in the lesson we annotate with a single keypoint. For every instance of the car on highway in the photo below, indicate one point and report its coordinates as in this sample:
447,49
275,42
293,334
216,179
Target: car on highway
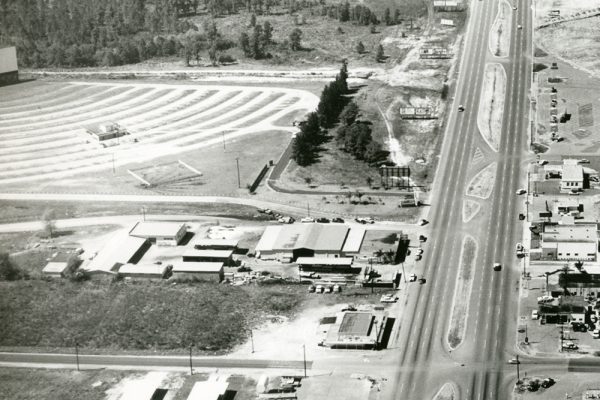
422,238
338,220
514,7
521,191
323,220
514,361
422,281
497,267
419,251
542,162
286,220
519,27
570,346
521,217
307,219
412,277
461,108
584,161
388,298
423,221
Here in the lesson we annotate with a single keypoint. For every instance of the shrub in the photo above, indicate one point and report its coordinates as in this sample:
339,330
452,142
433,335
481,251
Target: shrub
226,59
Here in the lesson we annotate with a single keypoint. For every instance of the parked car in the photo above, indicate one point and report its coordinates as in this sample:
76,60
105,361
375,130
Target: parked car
323,220
570,346
338,220
311,289
360,220
388,298
596,333
422,238
319,289
545,299
369,220
286,220
412,277
422,281
542,162
337,288
328,289
423,222
419,251
521,217
535,314
514,361
584,161
521,191
307,219
461,108
519,247
546,383
418,257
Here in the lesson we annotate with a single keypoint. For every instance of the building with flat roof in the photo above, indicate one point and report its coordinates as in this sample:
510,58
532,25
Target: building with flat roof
58,264
162,233
288,242
572,176
9,70
106,131
570,233
148,271
354,242
215,388
121,249
566,242
219,256
356,330
215,244
327,264
202,271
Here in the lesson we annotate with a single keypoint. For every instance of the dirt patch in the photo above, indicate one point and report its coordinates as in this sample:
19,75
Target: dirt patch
500,33
482,184
462,293
491,105
446,392
470,209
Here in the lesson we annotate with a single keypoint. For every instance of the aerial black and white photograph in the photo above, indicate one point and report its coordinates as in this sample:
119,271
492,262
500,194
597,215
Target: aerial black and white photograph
299,199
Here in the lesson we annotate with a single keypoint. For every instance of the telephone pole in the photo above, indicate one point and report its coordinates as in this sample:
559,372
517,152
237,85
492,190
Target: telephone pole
237,162
304,357
191,366
77,354
518,370
252,340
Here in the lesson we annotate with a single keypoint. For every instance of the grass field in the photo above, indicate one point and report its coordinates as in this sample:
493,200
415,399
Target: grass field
136,316
44,136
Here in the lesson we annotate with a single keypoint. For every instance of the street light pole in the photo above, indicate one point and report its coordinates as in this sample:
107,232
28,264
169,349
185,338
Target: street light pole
191,366
526,336
252,341
237,162
77,354
304,357
518,371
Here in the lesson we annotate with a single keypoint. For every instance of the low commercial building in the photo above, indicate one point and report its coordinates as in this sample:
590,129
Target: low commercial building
353,242
288,242
201,271
162,233
448,5
566,242
219,256
356,330
148,271
572,176
120,250
327,264
215,388
106,131
563,310
215,244
9,70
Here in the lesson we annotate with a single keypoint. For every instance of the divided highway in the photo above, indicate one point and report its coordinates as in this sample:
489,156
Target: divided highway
478,366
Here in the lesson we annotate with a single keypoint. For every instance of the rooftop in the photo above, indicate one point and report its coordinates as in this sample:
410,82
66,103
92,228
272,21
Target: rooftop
310,236
210,389
324,260
572,173
55,267
570,233
143,269
8,60
149,229
356,323
354,240
587,248
208,253
203,242
119,250
198,267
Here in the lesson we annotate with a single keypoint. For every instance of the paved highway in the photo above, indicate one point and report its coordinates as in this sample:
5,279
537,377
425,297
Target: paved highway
478,366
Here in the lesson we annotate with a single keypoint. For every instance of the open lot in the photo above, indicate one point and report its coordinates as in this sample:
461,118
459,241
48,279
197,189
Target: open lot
47,138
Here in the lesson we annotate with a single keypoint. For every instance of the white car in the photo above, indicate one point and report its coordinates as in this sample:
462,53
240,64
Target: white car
542,162
521,191
307,219
388,298
412,278
519,27
535,314
419,251
514,361
545,299
423,222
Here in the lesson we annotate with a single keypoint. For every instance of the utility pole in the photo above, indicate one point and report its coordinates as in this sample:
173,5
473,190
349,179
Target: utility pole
237,162
191,366
304,357
144,212
526,336
77,354
308,208
223,137
562,338
403,273
518,370
252,341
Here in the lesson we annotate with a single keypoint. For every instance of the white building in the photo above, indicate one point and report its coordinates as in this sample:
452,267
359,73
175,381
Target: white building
162,233
572,177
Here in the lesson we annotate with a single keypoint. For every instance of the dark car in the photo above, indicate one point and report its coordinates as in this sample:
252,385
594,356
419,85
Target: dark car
323,220
521,217
422,281
418,257
422,238
338,220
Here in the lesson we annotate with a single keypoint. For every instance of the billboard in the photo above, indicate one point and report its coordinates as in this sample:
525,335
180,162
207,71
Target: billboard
8,60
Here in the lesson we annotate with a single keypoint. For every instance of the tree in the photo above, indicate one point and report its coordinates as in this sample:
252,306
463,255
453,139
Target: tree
8,272
256,43
349,113
253,20
49,220
302,150
295,39
360,48
387,17
397,19
244,43
380,55
267,37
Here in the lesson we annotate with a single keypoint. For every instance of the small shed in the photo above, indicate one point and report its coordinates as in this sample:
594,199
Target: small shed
201,271
220,256
215,388
215,244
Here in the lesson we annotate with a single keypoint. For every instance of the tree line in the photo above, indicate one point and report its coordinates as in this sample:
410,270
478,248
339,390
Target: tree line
353,135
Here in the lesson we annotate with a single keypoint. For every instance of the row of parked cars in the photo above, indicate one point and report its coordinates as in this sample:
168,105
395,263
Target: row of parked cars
324,289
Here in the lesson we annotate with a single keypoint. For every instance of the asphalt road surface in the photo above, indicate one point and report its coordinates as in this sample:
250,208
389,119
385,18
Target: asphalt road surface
479,366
